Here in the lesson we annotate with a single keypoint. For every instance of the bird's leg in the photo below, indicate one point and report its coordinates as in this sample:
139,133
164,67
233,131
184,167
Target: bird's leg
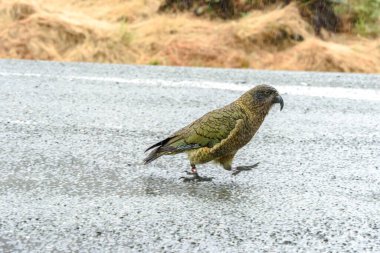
238,169
195,176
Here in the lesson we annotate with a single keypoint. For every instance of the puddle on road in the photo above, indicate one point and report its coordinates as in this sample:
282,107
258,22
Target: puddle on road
160,186
148,186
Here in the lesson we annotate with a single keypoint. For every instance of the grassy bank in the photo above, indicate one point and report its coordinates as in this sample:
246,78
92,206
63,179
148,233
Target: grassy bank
276,36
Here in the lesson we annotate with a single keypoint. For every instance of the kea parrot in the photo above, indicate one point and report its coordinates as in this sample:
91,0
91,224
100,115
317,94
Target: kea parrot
219,134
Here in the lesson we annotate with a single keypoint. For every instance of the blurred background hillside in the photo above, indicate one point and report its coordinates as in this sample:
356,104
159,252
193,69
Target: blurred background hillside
261,34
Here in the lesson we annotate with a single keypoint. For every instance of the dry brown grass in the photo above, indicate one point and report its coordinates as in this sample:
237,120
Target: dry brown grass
132,32
37,34
318,55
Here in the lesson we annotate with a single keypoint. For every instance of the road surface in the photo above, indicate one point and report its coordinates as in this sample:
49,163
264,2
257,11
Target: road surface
72,137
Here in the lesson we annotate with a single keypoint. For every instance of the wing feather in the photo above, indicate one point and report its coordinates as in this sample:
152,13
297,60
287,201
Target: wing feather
211,130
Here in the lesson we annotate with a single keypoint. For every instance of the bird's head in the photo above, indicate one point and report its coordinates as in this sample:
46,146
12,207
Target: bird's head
263,97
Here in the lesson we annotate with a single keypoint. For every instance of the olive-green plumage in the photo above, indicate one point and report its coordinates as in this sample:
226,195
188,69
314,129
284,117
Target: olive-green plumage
219,134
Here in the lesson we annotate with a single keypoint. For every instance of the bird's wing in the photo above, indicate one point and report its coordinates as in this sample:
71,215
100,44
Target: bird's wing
208,131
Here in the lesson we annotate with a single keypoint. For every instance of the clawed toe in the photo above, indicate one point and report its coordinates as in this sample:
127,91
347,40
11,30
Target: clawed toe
234,173
239,169
194,176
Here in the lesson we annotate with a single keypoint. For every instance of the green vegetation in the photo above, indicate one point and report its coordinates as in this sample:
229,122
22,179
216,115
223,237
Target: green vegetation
125,35
354,16
364,14
155,62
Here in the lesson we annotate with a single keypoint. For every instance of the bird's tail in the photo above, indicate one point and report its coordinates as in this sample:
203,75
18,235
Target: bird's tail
153,155
158,150
169,146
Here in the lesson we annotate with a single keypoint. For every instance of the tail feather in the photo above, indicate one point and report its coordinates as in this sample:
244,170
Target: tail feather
160,143
157,150
169,146
153,155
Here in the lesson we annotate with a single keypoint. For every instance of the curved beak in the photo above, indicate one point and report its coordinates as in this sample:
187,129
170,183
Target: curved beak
278,99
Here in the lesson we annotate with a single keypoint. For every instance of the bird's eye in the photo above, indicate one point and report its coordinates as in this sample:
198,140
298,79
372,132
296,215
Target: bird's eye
260,95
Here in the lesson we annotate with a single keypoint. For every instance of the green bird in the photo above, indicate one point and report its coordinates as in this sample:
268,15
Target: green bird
219,134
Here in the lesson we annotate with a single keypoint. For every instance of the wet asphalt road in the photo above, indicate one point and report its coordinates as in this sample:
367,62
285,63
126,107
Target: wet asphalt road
72,141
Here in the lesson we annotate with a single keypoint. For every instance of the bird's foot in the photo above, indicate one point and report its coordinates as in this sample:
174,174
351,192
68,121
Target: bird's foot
239,169
195,178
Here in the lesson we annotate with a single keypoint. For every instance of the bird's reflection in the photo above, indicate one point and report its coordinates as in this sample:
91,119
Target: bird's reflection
155,186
